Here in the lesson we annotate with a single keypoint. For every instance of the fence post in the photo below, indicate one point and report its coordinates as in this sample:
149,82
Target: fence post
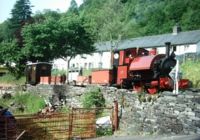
6,128
116,118
70,123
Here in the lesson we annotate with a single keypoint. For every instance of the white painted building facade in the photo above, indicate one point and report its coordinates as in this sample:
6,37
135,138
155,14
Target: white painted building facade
185,42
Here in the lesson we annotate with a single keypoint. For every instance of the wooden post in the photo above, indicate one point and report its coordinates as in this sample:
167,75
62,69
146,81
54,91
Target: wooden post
6,128
70,124
116,118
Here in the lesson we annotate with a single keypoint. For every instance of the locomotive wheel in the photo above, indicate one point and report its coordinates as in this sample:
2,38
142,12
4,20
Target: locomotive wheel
152,90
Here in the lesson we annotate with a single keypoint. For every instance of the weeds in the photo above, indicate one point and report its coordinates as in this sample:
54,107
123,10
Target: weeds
10,79
93,98
190,71
24,103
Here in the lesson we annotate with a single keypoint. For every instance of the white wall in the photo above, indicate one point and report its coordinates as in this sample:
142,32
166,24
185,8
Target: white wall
95,60
180,49
198,48
60,64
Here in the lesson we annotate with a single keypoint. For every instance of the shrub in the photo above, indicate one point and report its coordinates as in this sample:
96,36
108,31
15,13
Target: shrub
32,102
25,103
93,98
57,72
190,71
10,79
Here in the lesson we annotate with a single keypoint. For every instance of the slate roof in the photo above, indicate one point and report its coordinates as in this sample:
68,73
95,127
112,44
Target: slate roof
182,38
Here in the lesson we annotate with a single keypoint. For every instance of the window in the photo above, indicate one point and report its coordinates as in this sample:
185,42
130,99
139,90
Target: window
100,65
90,65
85,65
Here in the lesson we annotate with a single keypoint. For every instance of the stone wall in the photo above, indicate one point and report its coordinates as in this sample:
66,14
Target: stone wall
149,114
157,114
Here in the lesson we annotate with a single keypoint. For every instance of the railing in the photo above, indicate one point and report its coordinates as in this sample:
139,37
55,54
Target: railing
78,123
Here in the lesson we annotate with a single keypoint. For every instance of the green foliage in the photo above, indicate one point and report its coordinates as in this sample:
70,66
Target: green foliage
11,43
21,13
133,18
57,72
32,103
61,38
12,56
73,7
93,98
87,72
10,79
59,35
190,71
104,132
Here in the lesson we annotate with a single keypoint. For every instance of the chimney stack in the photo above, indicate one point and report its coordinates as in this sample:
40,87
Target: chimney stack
176,29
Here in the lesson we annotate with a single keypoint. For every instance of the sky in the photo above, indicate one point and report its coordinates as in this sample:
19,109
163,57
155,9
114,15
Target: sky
39,5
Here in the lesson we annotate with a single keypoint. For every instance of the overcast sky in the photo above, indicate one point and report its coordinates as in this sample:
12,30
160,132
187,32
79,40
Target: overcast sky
39,5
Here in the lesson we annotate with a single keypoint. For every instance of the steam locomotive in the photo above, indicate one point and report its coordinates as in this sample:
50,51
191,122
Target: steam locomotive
145,70
139,69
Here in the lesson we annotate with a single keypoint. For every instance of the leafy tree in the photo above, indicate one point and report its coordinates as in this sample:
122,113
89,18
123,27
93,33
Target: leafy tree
46,14
5,32
133,18
52,39
73,7
12,43
13,56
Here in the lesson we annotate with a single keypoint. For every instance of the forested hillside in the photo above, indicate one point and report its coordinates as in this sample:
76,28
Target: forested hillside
112,19
48,34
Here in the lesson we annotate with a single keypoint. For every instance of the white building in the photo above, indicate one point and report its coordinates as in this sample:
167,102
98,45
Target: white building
185,42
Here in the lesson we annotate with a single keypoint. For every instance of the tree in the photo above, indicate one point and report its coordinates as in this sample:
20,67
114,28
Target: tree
20,15
52,39
73,7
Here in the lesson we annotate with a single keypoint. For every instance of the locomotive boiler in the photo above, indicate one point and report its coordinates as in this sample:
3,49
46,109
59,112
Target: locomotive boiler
145,70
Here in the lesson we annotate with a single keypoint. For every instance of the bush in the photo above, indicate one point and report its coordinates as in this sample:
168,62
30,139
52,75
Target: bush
93,98
57,72
190,71
32,102
24,103
104,131
10,79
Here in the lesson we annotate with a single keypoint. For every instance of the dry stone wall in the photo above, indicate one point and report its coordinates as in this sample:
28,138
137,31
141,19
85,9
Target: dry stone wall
160,114
165,113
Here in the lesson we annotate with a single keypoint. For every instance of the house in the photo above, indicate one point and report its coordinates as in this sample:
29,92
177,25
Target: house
185,42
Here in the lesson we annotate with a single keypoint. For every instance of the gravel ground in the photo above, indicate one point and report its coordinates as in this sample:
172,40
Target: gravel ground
183,137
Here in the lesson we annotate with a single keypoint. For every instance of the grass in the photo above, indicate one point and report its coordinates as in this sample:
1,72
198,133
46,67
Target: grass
30,102
191,71
11,80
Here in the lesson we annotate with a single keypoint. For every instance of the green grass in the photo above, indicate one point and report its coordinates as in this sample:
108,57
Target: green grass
32,103
191,71
10,79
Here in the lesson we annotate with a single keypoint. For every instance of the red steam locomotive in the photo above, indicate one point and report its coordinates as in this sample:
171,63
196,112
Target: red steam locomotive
140,69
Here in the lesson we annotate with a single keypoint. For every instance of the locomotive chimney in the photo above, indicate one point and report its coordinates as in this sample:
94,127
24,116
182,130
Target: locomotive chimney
167,44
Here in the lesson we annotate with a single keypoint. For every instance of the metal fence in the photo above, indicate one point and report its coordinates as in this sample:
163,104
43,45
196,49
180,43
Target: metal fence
79,123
